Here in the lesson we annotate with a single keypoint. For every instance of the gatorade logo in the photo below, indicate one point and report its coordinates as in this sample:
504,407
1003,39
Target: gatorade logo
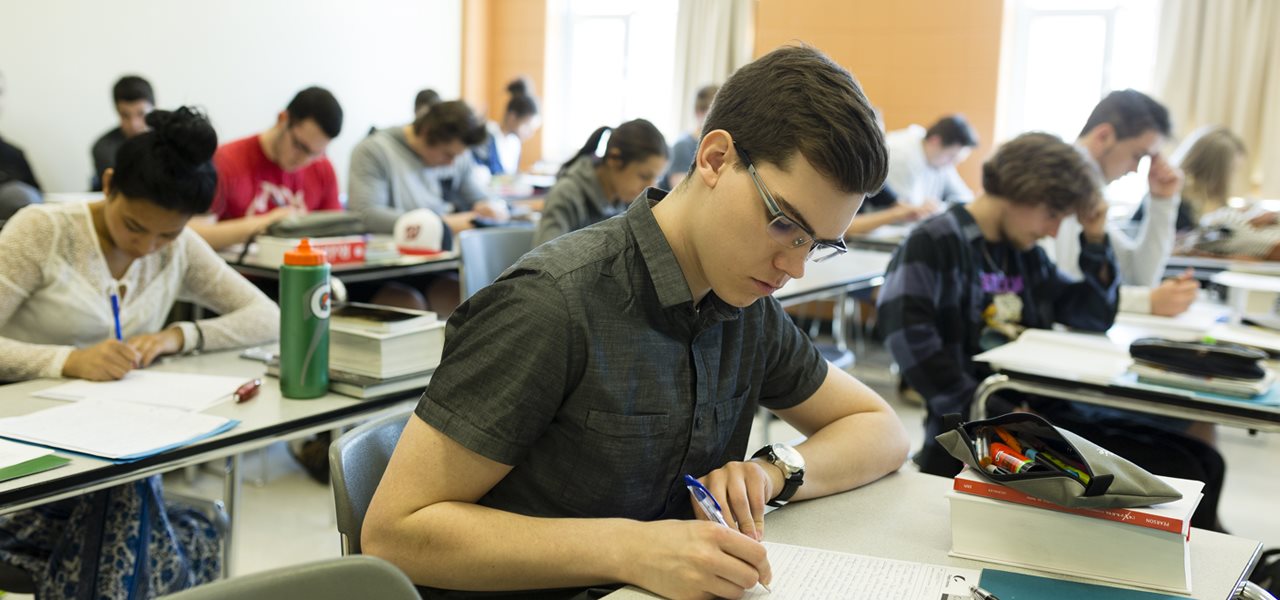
320,301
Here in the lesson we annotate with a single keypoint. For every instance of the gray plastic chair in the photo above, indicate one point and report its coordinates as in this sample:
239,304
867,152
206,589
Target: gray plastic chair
488,251
356,463
333,579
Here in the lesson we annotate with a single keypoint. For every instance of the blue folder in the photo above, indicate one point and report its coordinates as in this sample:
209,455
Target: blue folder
1016,586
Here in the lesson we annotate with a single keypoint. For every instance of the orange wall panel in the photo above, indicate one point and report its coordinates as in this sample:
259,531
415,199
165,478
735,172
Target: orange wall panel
476,23
917,60
516,43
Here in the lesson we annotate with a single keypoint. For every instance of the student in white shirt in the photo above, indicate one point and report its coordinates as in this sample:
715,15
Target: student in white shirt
61,264
500,153
1125,127
922,163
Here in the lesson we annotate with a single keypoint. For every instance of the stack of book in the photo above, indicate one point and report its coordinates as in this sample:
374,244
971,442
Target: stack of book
379,350
996,523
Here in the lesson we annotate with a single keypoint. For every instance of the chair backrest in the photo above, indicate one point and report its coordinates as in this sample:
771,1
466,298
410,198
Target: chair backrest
356,463
488,251
333,579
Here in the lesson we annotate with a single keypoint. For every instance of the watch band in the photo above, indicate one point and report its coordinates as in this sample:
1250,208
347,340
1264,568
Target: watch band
790,483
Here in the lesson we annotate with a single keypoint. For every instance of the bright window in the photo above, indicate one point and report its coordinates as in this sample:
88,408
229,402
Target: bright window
613,61
1064,56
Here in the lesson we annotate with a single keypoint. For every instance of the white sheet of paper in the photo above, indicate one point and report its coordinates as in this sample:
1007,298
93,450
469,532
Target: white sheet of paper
110,429
802,573
13,453
183,391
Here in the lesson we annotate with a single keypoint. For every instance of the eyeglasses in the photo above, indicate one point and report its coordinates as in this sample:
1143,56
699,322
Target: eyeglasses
301,147
785,230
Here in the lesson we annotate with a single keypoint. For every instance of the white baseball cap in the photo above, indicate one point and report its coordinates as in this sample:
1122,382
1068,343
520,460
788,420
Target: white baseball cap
420,231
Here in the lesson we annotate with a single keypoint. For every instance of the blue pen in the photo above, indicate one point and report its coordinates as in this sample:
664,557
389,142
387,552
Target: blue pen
702,496
115,313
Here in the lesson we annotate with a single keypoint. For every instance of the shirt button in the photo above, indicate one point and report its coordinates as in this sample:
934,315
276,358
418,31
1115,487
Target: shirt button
697,423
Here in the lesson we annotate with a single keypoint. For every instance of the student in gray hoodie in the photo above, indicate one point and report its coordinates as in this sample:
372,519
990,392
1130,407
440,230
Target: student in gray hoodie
591,189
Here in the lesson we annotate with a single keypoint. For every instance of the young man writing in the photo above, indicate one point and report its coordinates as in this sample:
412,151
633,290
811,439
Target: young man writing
576,391
1125,127
922,162
974,278
425,164
280,172
134,100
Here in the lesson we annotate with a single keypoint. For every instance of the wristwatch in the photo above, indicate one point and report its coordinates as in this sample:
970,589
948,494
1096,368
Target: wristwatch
789,460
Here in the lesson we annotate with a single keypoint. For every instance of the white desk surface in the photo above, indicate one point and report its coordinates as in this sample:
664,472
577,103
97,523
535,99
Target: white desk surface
855,268
905,516
1212,264
265,419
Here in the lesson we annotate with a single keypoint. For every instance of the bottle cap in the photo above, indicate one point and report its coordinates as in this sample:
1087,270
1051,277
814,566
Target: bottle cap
304,255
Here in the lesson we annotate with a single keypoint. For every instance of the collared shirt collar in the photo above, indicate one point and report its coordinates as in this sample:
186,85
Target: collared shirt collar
1095,169
665,272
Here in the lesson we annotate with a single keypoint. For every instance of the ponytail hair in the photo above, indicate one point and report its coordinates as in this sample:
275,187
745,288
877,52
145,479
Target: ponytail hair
522,103
587,149
633,141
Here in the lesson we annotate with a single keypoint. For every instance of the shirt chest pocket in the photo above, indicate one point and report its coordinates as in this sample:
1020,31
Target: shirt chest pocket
623,467
728,413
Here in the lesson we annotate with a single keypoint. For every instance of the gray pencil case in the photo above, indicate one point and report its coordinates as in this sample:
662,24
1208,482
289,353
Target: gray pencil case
1066,469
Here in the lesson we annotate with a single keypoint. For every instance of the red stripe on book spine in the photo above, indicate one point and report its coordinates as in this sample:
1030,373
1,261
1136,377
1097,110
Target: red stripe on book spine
1127,516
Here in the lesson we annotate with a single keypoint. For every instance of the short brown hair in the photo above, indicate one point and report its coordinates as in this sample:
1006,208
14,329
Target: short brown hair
1131,113
450,121
796,99
1040,168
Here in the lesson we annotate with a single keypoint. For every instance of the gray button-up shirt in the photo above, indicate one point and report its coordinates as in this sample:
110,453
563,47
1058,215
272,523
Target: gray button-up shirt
588,369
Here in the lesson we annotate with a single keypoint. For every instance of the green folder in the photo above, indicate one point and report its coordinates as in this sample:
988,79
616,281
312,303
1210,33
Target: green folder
1016,586
35,465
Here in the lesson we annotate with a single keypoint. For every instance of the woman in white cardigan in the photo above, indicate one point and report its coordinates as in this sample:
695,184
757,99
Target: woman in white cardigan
62,264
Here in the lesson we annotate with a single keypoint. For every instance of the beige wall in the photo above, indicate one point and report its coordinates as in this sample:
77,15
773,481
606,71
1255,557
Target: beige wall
917,59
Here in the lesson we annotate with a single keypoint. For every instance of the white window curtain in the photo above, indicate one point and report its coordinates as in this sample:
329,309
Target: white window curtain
1219,64
713,39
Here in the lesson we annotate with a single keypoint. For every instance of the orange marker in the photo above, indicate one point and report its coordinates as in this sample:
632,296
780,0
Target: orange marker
1009,439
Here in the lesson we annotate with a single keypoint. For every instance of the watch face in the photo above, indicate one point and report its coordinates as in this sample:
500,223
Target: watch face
789,456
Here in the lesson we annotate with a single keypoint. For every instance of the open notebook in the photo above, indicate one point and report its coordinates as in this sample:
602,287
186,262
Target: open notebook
119,431
803,573
182,391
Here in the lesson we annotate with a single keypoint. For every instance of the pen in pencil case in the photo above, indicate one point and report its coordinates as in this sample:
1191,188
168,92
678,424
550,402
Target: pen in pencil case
982,447
1057,463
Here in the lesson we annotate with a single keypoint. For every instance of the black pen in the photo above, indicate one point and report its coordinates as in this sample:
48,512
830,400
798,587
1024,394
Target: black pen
981,594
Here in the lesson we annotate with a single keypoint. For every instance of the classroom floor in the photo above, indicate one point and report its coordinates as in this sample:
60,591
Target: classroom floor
287,518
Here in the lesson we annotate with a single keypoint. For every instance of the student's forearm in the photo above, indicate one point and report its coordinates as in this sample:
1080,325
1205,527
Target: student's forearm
462,546
223,234
851,453
460,221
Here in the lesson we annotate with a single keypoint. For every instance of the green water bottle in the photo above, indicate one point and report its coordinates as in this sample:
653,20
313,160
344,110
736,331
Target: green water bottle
304,323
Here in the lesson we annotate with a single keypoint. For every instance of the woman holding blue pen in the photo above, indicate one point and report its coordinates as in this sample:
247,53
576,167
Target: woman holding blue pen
85,290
